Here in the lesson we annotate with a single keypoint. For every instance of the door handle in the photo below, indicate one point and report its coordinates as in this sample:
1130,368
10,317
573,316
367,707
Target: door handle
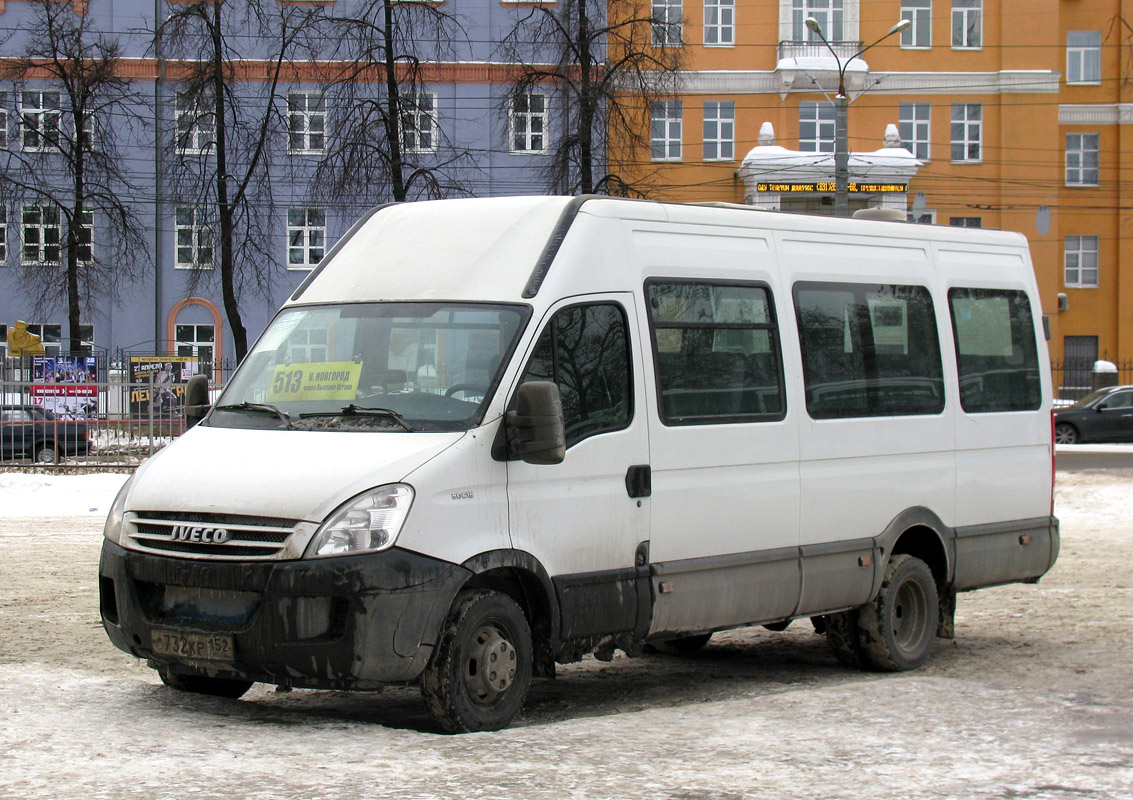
639,481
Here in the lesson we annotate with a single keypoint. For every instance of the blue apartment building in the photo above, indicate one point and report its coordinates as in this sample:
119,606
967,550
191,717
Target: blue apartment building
462,119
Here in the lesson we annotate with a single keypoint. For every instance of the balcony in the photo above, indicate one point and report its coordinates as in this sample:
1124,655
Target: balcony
799,61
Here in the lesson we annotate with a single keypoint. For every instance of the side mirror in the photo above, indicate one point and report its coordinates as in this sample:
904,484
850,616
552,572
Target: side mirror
535,430
196,400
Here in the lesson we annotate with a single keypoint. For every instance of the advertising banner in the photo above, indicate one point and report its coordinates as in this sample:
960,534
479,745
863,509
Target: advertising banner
169,375
65,385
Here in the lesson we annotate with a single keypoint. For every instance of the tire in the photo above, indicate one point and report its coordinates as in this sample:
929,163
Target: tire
479,673
45,454
844,639
202,684
898,628
1065,433
683,646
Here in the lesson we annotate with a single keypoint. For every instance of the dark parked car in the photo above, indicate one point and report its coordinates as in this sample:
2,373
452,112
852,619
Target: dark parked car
1102,416
30,431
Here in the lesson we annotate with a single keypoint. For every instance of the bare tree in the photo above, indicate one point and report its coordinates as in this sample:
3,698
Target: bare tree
232,63
385,141
607,61
67,170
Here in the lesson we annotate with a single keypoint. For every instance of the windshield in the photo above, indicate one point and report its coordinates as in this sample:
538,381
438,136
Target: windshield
373,366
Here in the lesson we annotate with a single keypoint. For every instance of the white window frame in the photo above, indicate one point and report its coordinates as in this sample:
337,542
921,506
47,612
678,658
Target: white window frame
3,236
719,23
527,128
306,123
191,348
39,111
194,223
1083,159
306,237
831,17
914,121
47,233
1084,58
719,130
195,127
1079,260
918,36
3,119
821,115
967,24
668,23
967,131
419,121
666,123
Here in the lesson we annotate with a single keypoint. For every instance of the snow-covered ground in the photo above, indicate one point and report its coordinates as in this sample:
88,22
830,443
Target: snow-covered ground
1033,699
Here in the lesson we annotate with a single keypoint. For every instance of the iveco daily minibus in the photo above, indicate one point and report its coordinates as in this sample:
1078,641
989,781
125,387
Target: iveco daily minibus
488,436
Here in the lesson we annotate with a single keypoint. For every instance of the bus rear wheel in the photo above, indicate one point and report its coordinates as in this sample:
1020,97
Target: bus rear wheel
898,628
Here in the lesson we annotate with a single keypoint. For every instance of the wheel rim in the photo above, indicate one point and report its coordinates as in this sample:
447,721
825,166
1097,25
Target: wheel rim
910,617
490,665
1063,435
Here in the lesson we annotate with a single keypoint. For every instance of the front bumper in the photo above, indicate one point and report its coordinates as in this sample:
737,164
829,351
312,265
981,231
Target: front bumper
353,622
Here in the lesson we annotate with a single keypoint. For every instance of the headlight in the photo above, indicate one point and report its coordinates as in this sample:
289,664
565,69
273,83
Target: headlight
366,524
112,530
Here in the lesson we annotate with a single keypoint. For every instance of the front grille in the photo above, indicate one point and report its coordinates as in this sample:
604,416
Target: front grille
203,535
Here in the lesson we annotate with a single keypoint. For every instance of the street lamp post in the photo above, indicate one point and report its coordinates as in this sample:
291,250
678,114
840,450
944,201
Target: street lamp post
841,116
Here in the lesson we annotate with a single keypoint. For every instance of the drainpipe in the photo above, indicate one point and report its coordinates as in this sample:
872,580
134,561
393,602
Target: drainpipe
158,95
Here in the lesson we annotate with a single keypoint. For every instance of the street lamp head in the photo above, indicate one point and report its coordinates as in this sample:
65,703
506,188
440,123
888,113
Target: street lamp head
812,25
900,27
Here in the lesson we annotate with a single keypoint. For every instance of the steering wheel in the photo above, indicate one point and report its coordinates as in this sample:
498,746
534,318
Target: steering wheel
472,388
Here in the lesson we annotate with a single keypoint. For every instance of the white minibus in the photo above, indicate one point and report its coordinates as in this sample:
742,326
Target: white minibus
488,436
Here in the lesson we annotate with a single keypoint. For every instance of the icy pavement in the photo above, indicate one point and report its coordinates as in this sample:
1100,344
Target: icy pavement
1032,701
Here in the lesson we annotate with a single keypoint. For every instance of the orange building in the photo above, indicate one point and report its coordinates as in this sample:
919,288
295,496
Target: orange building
1012,115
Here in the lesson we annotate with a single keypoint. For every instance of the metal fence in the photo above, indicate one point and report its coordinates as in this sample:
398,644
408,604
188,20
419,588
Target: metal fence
1074,378
93,424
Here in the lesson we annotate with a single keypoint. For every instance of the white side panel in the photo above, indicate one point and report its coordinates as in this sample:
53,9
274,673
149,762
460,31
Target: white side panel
858,474
460,507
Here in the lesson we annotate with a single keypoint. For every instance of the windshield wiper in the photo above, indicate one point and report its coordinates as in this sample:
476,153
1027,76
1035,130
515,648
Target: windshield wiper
361,411
266,408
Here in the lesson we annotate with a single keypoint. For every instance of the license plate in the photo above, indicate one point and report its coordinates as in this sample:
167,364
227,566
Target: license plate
200,646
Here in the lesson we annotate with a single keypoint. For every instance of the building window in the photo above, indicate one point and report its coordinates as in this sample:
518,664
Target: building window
919,13
42,233
828,13
967,23
719,23
966,222
668,23
194,236
3,119
816,127
913,122
39,121
925,217
1080,262
1083,57
528,123
665,124
196,341
967,128
719,131
306,237
196,124
1082,157
306,123
419,122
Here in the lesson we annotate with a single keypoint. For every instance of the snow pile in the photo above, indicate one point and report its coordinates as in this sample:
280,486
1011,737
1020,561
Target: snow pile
30,495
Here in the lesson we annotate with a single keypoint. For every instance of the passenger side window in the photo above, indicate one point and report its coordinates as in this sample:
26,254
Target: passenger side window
1118,400
716,352
585,351
995,350
869,350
